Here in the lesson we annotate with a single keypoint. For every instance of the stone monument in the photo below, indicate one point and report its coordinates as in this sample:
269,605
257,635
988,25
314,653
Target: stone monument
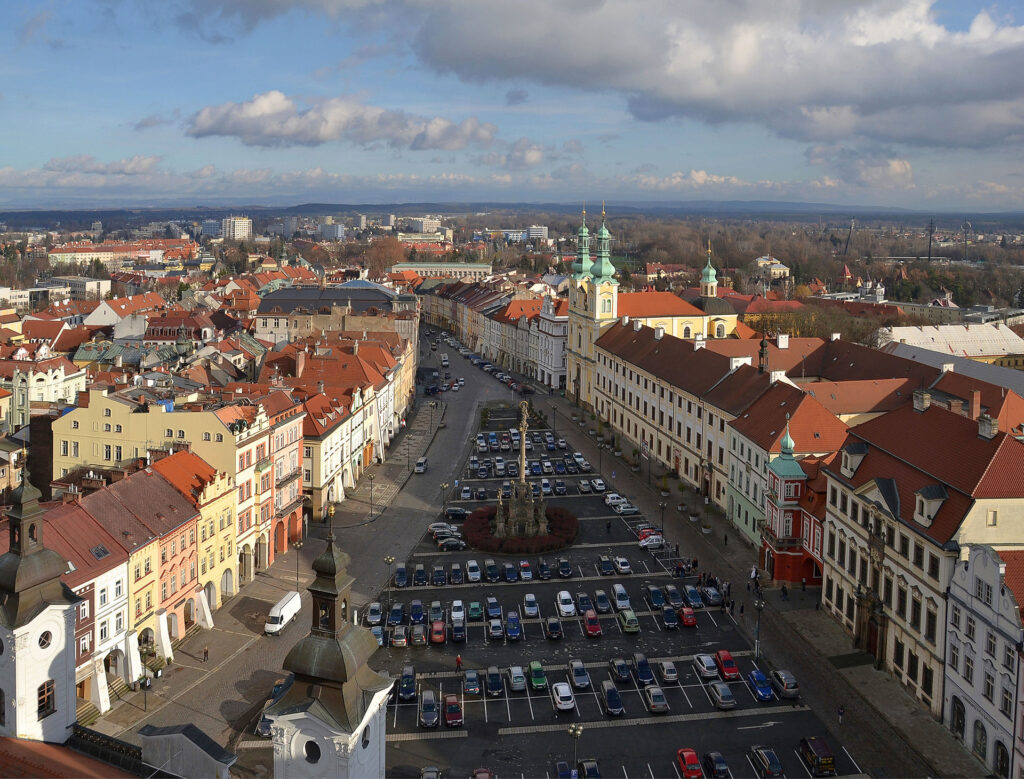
523,514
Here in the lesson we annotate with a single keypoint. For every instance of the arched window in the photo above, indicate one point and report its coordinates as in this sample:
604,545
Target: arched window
366,737
1001,762
312,750
980,745
720,331
686,332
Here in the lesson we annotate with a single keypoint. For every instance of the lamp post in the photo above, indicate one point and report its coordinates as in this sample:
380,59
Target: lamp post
758,607
408,450
371,494
389,561
662,506
444,496
554,431
296,545
575,731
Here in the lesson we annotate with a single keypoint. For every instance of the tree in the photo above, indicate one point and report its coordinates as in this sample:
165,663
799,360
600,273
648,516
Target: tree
382,254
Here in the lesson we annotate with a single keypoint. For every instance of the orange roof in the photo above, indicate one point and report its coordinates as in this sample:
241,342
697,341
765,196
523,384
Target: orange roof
644,305
188,472
23,757
812,427
1014,575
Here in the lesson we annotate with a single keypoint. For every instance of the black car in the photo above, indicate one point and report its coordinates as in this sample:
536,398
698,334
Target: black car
455,514
553,628
654,597
611,701
419,577
451,545
458,632
669,618
456,576
438,578
715,766
564,568
543,570
491,571
605,566
493,682
481,493
619,669
407,684
401,577
765,761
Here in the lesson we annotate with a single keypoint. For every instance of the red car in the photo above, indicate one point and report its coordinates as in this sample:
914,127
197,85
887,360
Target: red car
648,531
592,623
689,764
727,666
437,632
687,617
452,711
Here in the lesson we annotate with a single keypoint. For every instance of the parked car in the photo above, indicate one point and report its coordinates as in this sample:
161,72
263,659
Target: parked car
655,699
715,766
416,613
583,486
611,700
428,709
704,666
452,711
759,685
721,695
693,599
475,612
622,565
578,674
561,696
407,683
784,684
492,681
473,571
689,764
564,568
628,621
553,628
642,669
672,595
525,571
667,671
516,678
543,570
538,679
669,618
530,607
400,636
374,613
727,666
513,628
711,596
597,485
688,617
619,670
565,605
495,630
817,756
397,614
766,763
602,605
471,682
493,607
418,635
591,624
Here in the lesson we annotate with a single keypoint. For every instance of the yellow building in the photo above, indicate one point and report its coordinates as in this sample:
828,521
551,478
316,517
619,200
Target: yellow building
595,304
213,493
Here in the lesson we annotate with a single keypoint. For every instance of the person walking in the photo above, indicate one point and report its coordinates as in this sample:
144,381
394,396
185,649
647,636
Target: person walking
608,526
726,538
458,662
803,584
206,653
785,592
841,711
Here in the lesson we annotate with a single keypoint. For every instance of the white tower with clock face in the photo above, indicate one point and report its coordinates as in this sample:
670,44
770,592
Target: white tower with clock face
37,629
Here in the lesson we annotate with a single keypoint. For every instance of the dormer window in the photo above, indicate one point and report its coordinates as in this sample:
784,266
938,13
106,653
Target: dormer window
853,455
927,502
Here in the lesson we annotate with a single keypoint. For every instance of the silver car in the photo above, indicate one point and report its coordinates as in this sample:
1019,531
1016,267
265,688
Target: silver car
721,695
516,678
667,671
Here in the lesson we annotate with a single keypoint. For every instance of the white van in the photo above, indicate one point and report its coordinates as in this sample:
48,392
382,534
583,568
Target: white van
620,597
282,613
421,465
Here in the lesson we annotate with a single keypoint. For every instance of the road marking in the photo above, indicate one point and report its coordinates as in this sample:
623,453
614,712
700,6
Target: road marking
768,724
803,765
650,771
635,721
852,760
431,736
676,769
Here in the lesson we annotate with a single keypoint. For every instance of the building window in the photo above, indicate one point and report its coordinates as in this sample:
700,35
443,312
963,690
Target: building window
897,654
915,613
930,623
103,596
83,610
104,630
954,616
206,436
968,669
46,699
83,645
1006,702
904,546
989,689
118,622
918,556
954,656
927,678
983,590
106,412
993,518
901,603
990,643
149,600
970,628
74,425
138,606
1009,654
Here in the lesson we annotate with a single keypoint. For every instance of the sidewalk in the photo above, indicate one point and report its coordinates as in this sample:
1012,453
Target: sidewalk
885,729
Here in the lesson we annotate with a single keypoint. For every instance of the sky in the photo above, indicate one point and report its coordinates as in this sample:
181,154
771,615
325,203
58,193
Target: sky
908,103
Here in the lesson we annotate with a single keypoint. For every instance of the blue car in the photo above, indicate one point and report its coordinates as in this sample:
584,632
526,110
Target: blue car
511,574
693,599
759,685
493,608
535,468
560,468
550,446
416,614
513,630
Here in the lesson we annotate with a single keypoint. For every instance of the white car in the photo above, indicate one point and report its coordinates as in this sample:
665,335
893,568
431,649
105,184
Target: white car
652,542
704,666
458,612
597,485
621,565
455,386
466,494
530,606
473,571
578,457
561,696
566,607
613,499
625,508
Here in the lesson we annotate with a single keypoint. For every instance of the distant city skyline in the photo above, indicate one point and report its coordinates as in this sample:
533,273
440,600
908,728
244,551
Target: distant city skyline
906,103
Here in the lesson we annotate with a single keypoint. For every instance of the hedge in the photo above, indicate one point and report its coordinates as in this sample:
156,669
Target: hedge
477,529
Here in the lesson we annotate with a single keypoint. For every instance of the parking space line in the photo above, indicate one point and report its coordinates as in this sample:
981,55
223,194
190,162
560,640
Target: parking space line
650,771
676,769
751,764
706,611
803,765
852,760
529,702
508,708
483,694
624,772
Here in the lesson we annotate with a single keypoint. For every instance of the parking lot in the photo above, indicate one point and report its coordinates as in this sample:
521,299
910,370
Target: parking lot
522,732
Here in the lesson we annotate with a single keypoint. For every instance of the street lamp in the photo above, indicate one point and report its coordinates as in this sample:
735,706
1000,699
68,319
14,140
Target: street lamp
296,545
389,561
371,494
575,731
662,506
553,412
408,450
444,496
758,607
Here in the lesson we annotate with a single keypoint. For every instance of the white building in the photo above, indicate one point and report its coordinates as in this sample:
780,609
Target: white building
236,228
424,224
552,325
983,647
332,232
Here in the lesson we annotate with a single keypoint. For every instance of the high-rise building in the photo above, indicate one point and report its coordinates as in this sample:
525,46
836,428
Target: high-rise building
537,232
236,228
388,220
425,224
291,225
332,232
211,228
361,221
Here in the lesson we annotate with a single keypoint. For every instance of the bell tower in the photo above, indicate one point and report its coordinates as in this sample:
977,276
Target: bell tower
331,721
37,629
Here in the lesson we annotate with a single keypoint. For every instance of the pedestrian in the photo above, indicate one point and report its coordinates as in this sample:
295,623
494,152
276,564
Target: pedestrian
726,539
803,584
741,609
732,607
206,653
677,550
841,711
608,526
693,565
458,662
785,592
748,585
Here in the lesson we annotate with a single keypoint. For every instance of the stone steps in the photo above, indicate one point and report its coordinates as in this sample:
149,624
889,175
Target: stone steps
87,713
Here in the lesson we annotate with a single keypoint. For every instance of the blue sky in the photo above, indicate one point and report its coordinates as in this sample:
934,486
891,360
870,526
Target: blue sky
884,102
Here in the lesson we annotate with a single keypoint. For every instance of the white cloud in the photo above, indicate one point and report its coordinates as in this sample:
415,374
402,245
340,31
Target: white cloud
274,119
85,163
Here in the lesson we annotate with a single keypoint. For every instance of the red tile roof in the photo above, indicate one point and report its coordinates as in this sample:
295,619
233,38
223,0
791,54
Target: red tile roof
861,397
644,305
40,760
814,428
188,472
1013,575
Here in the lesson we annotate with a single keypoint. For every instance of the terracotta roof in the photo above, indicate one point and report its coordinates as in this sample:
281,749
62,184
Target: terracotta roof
1013,575
322,414
861,397
812,427
38,759
644,305
189,473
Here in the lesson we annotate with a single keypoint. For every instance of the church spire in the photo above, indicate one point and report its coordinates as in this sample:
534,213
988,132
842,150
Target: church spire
602,268
709,278
582,264
787,443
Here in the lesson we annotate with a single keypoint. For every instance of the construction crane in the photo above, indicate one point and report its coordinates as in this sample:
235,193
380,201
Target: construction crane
849,235
931,232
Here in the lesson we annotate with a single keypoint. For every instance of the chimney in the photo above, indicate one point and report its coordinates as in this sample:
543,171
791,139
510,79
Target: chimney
776,376
987,426
625,320
922,399
956,406
698,343
637,324
300,364
975,404
782,340
835,336
355,348
948,367
659,333
320,387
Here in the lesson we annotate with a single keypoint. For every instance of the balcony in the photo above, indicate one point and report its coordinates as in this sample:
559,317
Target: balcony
781,542
287,478
262,464
288,508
